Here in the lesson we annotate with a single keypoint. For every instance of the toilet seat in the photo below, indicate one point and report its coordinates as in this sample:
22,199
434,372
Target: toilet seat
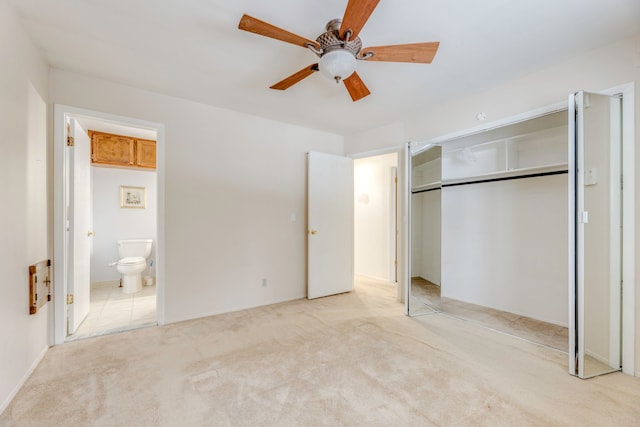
131,261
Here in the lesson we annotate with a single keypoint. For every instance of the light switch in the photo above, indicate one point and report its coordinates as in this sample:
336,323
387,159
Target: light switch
591,176
293,217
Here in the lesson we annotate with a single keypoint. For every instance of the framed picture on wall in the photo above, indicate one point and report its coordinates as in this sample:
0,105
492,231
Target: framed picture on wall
133,197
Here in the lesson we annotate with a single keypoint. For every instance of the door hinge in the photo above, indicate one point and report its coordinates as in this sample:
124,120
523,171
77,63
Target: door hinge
69,299
396,179
70,141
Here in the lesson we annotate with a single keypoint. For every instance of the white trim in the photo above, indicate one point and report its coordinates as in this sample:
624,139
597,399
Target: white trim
23,380
393,226
571,236
406,261
59,203
580,221
615,233
379,152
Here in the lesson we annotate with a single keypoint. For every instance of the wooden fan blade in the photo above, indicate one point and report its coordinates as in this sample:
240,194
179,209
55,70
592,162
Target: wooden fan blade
256,26
356,87
295,78
413,52
356,15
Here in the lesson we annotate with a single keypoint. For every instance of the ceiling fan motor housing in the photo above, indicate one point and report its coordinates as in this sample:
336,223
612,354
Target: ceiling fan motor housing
330,40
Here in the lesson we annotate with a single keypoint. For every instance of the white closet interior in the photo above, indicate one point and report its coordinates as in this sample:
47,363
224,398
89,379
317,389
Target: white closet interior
503,219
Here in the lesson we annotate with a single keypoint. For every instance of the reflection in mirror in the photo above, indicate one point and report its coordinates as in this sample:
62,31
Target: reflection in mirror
602,237
426,190
503,227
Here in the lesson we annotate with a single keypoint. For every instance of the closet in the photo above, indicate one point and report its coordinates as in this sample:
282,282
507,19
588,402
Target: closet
499,201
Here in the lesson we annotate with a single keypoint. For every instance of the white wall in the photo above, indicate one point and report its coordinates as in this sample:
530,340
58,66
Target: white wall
426,226
426,212
232,182
374,204
599,69
504,245
23,206
112,223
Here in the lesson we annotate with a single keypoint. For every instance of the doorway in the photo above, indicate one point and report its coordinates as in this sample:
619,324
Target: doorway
90,220
376,217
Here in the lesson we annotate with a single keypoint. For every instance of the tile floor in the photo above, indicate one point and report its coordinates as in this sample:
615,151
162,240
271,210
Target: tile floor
113,311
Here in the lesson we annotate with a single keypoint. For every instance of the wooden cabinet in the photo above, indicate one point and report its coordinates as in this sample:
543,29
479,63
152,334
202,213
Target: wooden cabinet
146,153
122,151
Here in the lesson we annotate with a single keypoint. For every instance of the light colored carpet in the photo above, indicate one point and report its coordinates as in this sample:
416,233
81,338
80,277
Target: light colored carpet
351,359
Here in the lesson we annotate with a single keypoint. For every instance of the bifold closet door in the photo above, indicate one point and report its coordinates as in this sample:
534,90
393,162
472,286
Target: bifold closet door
595,201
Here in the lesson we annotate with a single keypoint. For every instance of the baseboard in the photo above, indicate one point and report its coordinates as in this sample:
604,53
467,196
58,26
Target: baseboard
232,310
23,380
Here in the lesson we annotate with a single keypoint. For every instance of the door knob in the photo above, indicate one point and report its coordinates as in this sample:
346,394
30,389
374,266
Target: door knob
91,234
313,231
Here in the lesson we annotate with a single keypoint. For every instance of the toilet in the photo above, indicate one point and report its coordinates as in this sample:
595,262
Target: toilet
133,261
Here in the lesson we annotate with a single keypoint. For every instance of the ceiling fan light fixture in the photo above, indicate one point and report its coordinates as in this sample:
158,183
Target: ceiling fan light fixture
337,64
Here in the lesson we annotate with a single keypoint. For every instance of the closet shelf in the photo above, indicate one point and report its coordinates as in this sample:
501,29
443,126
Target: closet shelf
513,173
427,186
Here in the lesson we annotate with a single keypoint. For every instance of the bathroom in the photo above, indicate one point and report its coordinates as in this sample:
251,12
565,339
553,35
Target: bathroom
114,307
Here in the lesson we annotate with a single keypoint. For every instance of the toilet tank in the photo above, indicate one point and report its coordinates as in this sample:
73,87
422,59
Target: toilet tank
134,248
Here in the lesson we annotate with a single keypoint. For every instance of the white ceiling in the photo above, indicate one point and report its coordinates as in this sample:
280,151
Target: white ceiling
193,49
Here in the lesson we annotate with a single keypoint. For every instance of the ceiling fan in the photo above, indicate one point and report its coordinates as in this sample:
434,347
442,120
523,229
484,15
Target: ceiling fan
339,47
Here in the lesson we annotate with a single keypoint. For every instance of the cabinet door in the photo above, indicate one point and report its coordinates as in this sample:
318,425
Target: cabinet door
112,149
146,153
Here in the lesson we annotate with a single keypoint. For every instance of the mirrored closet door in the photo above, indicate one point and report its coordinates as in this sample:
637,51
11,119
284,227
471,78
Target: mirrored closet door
425,230
488,229
596,234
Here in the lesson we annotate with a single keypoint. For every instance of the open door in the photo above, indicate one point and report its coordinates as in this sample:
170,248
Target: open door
595,234
78,226
330,225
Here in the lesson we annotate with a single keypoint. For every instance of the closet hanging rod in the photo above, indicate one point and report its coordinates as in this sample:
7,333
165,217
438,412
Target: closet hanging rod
506,178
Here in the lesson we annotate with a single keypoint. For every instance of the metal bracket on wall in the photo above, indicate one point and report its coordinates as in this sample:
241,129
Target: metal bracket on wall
39,285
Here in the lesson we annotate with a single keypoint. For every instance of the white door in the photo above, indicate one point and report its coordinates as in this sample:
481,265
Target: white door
330,225
595,204
80,233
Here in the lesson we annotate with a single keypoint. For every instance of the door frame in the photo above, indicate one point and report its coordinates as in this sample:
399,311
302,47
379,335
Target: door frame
77,162
393,227
60,197
401,212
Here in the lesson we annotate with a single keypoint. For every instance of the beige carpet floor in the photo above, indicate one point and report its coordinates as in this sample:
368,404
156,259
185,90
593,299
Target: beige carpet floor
351,359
